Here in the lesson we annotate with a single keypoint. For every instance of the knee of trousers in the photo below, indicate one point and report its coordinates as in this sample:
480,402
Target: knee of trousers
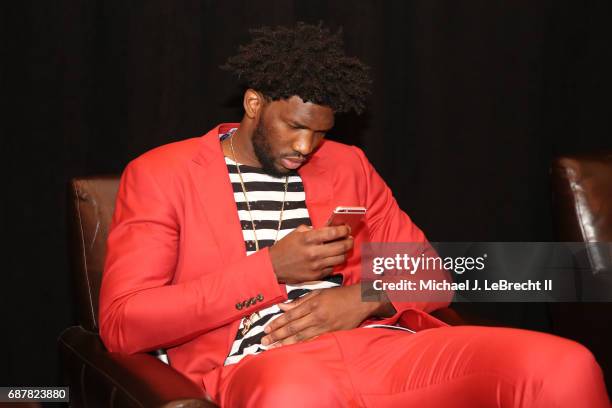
571,377
279,380
543,355
557,372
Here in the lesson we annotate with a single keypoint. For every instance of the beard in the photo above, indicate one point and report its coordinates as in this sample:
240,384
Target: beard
263,151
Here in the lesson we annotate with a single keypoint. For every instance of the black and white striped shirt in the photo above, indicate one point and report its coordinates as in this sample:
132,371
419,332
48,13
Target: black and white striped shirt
265,196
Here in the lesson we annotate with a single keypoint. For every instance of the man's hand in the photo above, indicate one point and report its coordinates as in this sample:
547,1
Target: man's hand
308,254
319,312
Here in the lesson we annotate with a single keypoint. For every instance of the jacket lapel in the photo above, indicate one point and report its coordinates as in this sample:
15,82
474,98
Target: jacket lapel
216,194
319,190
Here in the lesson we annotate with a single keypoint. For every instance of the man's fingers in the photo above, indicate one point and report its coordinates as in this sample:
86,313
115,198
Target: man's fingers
334,248
327,271
327,258
292,328
326,234
292,311
332,261
306,334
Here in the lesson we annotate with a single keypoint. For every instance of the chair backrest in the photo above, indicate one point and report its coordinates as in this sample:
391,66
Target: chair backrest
92,202
582,200
582,196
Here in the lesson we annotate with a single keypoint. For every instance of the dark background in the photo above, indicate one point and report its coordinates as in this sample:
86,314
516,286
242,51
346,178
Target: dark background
471,101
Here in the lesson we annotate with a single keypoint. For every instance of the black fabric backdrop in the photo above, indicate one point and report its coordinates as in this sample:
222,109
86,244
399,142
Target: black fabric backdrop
471,100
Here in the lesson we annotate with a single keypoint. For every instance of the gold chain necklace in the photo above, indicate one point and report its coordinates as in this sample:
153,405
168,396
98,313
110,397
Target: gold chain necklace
246,198
247,322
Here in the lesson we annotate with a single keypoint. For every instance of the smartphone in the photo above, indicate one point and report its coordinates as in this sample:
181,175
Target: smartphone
351,216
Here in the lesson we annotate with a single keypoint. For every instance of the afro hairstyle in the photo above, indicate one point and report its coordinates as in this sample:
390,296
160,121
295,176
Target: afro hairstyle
304,60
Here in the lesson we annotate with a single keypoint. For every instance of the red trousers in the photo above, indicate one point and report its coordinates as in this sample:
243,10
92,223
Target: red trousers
462,366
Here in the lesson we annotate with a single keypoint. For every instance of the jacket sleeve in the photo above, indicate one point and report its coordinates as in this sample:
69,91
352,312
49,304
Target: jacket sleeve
389,224
141,308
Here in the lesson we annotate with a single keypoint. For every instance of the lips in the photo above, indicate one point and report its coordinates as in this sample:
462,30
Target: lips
292,163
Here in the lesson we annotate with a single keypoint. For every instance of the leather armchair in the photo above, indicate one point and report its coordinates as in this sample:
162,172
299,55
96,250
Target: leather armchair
100,378
582,204
97,377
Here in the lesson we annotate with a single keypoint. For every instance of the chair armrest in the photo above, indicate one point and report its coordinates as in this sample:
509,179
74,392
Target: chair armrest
99,378
461,315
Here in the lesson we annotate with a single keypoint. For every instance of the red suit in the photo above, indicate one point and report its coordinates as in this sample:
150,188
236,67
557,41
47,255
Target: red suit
176,269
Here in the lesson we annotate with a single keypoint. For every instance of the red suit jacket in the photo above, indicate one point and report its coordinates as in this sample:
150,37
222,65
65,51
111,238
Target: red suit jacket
176,265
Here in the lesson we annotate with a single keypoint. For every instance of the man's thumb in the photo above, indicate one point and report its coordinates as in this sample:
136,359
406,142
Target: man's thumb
303,228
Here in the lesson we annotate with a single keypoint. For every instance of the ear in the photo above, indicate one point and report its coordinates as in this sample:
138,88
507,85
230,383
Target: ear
253,103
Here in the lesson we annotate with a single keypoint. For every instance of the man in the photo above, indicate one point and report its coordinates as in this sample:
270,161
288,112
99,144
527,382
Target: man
219,253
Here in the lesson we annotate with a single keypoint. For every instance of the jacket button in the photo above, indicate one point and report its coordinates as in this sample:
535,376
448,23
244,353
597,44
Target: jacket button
252,301
260,297
238,305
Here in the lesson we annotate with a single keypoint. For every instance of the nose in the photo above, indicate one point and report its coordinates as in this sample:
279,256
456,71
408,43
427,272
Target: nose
305,143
